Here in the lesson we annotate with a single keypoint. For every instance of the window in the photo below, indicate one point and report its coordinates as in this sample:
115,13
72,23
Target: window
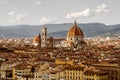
43,33
76,39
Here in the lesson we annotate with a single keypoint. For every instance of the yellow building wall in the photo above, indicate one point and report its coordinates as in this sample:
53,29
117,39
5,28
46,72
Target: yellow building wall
64,62
96,77
74,74
13,72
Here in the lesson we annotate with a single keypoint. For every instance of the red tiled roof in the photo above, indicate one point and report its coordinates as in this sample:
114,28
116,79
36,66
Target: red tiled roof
75,67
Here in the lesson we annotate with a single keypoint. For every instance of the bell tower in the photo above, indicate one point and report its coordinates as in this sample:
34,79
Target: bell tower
44,37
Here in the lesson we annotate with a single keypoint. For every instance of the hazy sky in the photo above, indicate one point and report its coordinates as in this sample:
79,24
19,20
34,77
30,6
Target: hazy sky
38,12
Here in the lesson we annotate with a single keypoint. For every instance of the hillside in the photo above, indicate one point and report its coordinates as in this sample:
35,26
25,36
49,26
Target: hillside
59,30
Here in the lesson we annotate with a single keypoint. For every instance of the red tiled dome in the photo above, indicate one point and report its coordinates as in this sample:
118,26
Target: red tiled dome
75,31
37,39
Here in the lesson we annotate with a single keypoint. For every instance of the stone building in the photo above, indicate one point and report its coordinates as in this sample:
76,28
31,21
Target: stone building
74,38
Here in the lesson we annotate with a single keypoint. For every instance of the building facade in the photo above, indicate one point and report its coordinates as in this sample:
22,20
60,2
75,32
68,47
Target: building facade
74,38
113,70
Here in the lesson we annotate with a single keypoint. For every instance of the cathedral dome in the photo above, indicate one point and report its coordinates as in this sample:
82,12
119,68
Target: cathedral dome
75,31
36,39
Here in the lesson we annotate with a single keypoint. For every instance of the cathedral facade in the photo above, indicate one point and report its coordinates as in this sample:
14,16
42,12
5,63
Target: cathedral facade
74,38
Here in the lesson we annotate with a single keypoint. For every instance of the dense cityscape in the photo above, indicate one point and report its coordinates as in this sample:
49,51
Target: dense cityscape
72,58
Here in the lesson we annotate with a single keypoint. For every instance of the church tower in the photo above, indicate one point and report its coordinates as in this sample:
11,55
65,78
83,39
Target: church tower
44,37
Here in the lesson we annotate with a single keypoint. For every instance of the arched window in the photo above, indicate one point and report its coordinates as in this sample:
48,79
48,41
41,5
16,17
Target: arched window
76,39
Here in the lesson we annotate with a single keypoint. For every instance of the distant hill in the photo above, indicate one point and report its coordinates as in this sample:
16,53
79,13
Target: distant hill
59,30
95,29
